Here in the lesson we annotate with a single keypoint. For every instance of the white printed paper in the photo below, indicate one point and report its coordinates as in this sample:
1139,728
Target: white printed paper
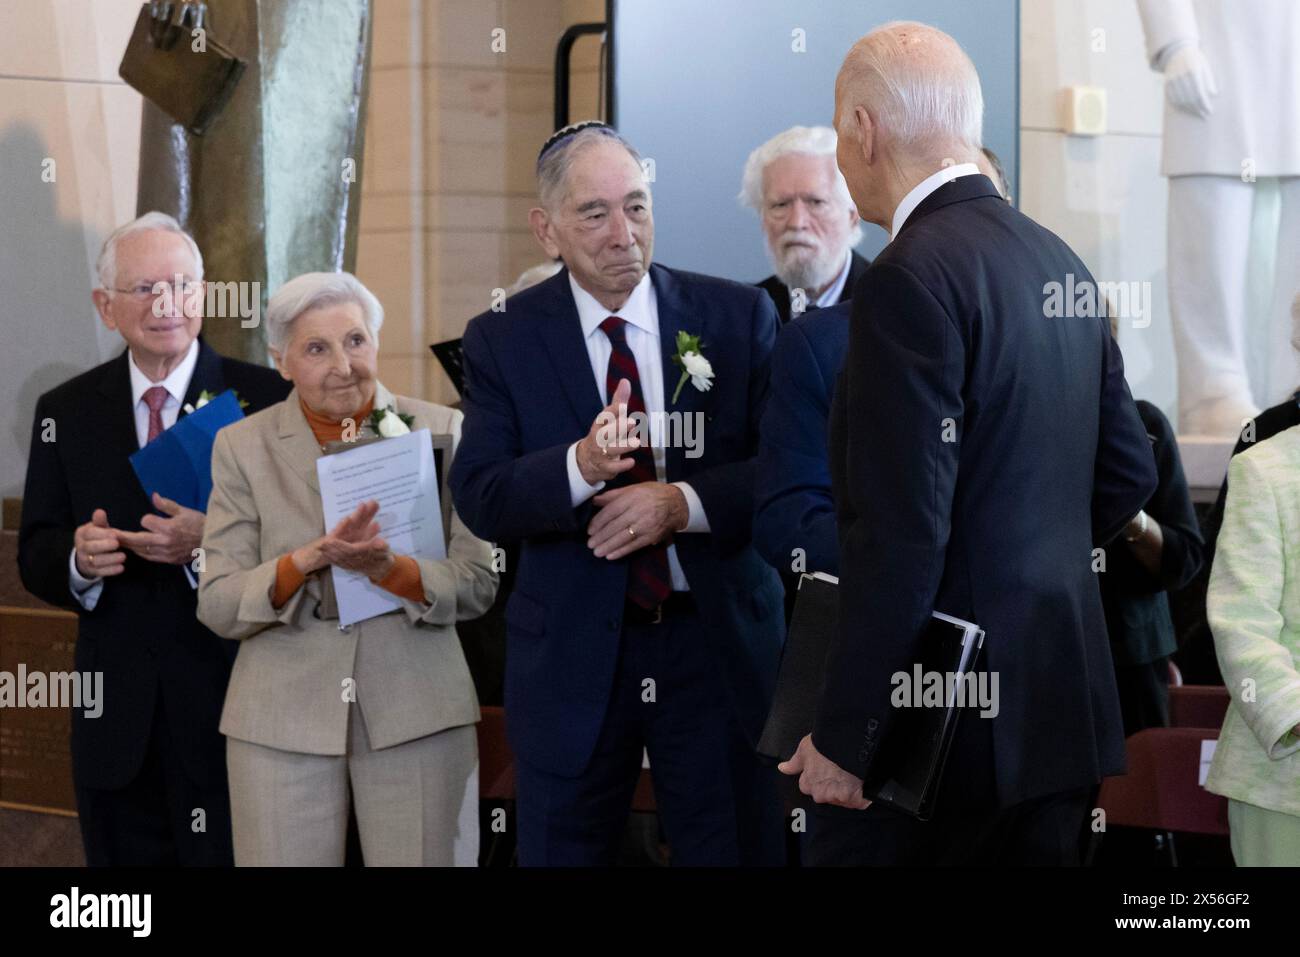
1207,755
399,474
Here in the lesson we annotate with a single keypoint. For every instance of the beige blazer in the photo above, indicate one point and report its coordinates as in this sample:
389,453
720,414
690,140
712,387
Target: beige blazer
290,687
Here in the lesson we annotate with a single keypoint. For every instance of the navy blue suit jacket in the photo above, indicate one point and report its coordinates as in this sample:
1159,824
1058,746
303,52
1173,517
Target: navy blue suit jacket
529,395
980,449
795,509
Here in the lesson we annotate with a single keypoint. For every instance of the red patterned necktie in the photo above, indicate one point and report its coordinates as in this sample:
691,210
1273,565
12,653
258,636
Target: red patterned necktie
648,580
155,398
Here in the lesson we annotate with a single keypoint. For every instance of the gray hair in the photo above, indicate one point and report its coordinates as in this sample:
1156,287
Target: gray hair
317,290
806,140
106,264
919,84
553,164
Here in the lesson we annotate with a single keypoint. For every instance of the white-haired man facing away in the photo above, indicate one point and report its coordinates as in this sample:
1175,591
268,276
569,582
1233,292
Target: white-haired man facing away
93,542
809,221
981,450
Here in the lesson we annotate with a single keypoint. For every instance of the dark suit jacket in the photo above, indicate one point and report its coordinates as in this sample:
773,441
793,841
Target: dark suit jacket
529,395
142,634
795,509
780,292
980,450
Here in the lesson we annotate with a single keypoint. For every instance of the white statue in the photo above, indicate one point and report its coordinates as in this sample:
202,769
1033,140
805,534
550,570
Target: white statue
1232,117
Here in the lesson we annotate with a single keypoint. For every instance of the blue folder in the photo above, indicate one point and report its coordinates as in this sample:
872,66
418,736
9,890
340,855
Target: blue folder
178,464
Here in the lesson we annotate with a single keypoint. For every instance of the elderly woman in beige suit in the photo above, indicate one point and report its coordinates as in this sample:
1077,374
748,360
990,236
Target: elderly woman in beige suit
378,715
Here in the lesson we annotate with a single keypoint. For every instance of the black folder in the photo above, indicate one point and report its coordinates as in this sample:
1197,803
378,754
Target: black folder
451,356
909,764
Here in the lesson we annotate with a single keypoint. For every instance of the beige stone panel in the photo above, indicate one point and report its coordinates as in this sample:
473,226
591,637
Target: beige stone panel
65,39
533,28
391,40
388,150
384,264
459,32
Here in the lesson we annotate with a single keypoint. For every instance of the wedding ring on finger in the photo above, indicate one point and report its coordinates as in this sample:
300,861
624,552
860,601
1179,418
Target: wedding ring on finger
92,560
631,532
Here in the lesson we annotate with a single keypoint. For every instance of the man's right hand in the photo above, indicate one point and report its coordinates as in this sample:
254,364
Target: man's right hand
601,453
97,548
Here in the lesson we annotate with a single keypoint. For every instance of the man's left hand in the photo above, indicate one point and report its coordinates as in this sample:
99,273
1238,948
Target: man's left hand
822,779
635,516
171,540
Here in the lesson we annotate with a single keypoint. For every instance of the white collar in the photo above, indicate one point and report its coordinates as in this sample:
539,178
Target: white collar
176,384
924,188
639,310
832,294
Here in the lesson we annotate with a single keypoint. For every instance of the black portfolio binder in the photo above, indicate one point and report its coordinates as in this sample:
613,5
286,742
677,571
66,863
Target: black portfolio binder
909,765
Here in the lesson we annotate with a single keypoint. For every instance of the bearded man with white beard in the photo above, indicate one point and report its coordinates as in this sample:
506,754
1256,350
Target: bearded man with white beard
808,217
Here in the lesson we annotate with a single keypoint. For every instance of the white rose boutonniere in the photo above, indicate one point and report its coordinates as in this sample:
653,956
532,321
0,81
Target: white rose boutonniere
390,423
690,359
205,397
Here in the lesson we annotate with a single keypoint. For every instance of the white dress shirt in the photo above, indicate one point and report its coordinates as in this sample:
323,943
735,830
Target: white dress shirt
832,294
641,315
924,188
87,590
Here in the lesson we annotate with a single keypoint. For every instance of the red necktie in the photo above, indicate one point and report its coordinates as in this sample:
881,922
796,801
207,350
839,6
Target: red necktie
648,581
155,398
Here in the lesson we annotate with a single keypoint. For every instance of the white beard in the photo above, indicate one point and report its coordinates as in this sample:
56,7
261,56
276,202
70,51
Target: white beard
799,270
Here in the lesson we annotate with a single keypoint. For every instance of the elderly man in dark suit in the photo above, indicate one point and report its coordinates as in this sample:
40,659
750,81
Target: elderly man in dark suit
982,446
611,421
149,772
809,222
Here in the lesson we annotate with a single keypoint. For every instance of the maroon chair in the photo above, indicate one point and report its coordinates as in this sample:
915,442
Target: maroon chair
1198,706
496,762
1160,790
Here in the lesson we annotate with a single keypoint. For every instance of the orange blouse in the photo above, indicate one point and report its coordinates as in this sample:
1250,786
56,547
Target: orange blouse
403,579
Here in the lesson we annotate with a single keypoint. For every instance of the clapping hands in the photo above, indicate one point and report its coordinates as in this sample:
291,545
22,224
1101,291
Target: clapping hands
353,544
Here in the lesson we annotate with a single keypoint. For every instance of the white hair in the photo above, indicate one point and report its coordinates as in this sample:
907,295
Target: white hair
317,290
106,264
805,140
919,85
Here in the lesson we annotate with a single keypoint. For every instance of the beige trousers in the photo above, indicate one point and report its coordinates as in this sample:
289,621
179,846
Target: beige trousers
416,802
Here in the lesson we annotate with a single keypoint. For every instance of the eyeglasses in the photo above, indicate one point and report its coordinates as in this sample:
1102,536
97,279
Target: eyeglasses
148,290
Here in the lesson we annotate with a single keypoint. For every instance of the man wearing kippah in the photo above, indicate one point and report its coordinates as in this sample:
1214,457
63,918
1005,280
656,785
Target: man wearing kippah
611,423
